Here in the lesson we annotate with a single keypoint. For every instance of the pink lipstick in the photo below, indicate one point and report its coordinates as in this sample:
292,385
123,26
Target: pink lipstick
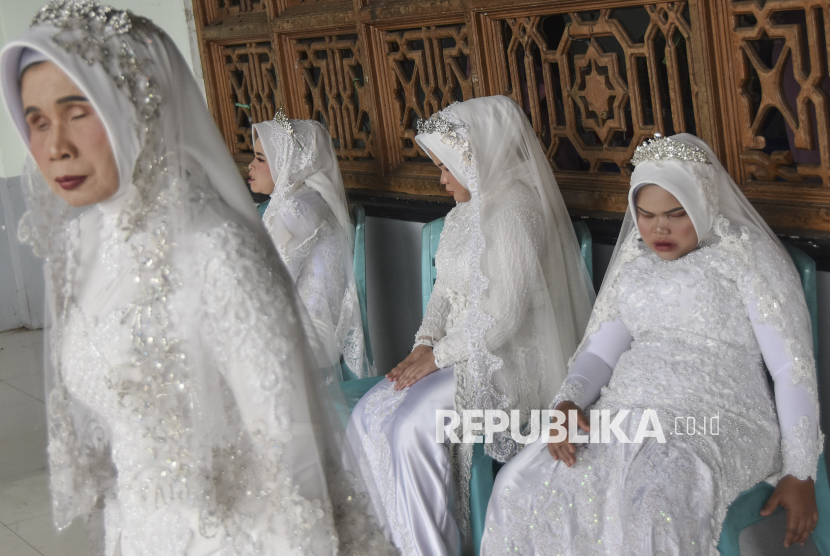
68,183
664,245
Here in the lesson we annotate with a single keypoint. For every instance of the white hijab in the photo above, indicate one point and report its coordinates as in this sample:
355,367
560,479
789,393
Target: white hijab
174,169
304,156
530,293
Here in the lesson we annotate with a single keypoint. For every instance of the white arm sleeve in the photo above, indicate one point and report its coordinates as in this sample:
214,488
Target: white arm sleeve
796,404
435,316
592,368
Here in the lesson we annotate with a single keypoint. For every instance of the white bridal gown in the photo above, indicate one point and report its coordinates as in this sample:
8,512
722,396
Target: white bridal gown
396,429
188,414
159,500
682,338
314,258
308,221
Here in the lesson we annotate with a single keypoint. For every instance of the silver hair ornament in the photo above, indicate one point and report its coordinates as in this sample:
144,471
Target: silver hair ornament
665,148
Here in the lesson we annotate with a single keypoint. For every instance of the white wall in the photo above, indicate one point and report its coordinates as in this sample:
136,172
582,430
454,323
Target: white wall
21,275
393,286
21,279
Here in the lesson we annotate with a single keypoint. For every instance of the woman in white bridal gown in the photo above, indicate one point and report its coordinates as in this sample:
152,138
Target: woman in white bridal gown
186,416
308,220
511,299
699,298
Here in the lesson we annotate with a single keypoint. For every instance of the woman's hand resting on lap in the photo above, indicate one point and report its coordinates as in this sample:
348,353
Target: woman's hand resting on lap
416,366
798,498
563,449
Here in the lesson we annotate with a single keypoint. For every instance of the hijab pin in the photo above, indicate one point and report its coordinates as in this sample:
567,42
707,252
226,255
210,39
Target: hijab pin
281,119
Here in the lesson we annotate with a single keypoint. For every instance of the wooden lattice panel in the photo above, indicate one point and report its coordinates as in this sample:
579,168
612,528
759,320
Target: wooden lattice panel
219,10
330,74
428,69
251,75
781,55
595,78
596,84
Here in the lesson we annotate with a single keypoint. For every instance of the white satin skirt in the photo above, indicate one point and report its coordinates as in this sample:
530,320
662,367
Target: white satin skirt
621,499
411,471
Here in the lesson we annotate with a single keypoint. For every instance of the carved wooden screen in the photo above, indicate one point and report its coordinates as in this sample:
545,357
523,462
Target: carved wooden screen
595,78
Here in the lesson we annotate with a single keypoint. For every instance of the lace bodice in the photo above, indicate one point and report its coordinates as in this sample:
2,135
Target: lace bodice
181,464
443,323
694,352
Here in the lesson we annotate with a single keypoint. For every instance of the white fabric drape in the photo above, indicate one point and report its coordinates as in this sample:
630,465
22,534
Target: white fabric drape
511,299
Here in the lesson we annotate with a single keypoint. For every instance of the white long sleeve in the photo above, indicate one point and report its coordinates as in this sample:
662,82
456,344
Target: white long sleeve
592,368
795,402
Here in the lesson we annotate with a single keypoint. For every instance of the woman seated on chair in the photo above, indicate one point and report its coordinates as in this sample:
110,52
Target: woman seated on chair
308,220
699,297
511,300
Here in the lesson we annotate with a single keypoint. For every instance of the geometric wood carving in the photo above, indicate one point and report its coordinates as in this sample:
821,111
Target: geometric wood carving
595,79
783,86
596,84
251,75
217,11
428,69
330,74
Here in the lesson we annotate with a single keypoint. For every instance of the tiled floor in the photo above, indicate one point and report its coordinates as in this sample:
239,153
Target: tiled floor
26,527
22,411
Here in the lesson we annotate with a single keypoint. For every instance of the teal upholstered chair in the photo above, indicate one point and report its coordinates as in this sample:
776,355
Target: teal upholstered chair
744,511
430,235
262,206
359,217
586,245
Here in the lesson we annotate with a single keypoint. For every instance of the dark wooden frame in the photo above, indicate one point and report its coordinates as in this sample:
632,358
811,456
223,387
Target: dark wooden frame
718,38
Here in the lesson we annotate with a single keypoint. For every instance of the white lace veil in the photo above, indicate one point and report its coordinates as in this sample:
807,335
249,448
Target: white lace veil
300,152
530,292
176,173
719,213
303,156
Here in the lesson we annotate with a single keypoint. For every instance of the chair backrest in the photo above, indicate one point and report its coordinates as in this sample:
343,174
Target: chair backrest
429,245
431,233
806,267
359,216
586,245
262,206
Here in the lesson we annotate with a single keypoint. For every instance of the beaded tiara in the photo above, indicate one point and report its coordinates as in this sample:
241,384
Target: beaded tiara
61,12
282,120
665,148
435,123
438,122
